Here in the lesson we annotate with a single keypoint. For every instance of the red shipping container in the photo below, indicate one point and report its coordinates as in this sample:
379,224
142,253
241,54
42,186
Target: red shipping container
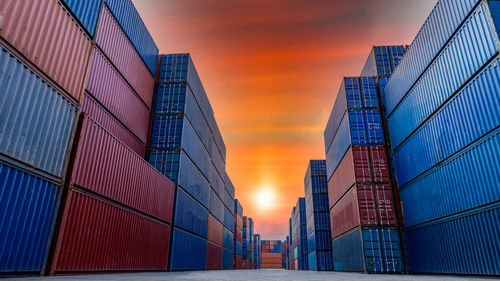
115,44
361,164
237,262
46,34
104,165
238,220
238,234
97,235
366,205
108,122
215,231
214,256
245,221
107,86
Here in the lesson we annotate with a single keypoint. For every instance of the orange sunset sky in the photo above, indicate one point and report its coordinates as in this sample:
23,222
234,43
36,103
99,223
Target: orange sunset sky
272,69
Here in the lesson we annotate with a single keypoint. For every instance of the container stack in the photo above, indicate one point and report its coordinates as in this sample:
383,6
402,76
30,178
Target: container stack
291,245
319,243
187,147
251,263
299,235
41,81
229,220
238,236
246,242
443,118
287,253
283,254
257,249
362,210
271,254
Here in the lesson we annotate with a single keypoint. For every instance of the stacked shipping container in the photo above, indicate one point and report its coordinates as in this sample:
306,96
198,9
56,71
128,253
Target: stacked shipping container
319,243
299,236
271,254
442,109
257,251
238,236
187,147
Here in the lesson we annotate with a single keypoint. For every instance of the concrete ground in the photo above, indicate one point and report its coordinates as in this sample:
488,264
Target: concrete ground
254,275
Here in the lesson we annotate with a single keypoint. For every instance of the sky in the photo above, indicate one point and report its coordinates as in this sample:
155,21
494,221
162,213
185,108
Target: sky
272,70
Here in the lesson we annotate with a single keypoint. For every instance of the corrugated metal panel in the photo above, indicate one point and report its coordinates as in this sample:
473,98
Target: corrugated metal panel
383,60
237,248
312,261
214,256
227,259
468,116
88,241
131,22
227,239
439,26
29,206
238,209
216,206
110,124
230,188
216,181
228,219
109,88
86,12
466,244
427,95
227,200
36,121
114,43
194,148
106,166
190,215
47,35
193,182
215,231
188,251
454,181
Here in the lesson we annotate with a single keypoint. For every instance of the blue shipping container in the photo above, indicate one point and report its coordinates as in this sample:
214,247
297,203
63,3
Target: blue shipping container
129,19
383,60
29,208
188,252
237,248
216,206
227,259
37,123
227,240
190,215
86,12
465,244
193,182
228,219
237,207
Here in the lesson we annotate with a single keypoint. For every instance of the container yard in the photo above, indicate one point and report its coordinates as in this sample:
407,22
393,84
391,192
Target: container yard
116,152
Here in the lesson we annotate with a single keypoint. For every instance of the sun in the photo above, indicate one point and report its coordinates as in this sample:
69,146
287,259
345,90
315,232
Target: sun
265,198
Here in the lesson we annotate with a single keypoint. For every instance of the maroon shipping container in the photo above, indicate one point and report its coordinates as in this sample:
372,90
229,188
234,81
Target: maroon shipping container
46,34
237,262
111,90
108,122
366,205
361,164
238,234
97,235
115,44
238,220
245,221
214,256
104,165
215,230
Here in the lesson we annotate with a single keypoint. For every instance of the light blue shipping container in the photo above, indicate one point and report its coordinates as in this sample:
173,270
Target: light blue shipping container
37,122
129,19
86,12
29,205
463,244
188,252
312,261
190,215
383,60
438,28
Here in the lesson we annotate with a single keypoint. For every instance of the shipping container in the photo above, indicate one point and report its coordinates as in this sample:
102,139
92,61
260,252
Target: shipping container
189,252
230,189
214,256
104,165
29,208
237,262
107,86
104,118
373,250
227,239
238,209
86,240
215,231
190,215
86,13
383,60
115,45
463,244
130,21
443,21
237,248
47,35
227,259
192,181
216,206
228,219
37,121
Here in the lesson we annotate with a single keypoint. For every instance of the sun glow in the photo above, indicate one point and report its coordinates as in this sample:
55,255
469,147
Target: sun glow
265,198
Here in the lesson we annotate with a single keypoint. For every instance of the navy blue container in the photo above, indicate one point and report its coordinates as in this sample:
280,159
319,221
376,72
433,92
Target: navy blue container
462,244
228,219
299,233
193,181
227,199
238,208
188,251
227,240
86,13
227,259
237,248
368,250
216,206
190,215
229,188
129,19
29,208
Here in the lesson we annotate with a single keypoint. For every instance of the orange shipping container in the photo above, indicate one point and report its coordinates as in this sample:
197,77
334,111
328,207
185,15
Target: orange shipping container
46,34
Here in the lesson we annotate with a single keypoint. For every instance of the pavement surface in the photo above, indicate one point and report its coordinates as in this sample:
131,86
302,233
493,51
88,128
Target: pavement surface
254,275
